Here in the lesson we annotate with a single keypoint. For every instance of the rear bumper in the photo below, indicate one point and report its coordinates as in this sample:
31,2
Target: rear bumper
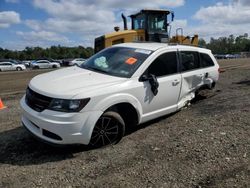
57,127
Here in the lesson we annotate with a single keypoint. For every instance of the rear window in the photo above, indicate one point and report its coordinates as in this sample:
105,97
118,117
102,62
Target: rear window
206,60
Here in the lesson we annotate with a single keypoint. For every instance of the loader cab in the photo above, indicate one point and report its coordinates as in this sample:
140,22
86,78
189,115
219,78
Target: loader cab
154,23
147,25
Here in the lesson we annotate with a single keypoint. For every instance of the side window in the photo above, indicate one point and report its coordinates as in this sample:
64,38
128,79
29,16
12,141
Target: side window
206,60
42,62
163,65
189,60
8,64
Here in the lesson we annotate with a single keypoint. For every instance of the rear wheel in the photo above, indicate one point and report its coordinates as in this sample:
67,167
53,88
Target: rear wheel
109,129
18,68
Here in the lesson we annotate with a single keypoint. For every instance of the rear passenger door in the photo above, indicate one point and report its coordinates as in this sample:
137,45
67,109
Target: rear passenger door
43,64
192,75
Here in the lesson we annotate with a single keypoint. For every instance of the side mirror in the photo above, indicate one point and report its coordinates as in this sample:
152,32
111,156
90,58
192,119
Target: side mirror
143,78
154,84
152,81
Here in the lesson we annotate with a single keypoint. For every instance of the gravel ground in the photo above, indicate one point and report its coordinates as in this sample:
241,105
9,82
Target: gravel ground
204,145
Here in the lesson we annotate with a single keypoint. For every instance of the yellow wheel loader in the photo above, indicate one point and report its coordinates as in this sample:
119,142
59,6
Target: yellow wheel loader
147,25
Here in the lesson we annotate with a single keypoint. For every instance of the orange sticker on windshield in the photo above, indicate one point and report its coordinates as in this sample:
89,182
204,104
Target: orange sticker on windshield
131,61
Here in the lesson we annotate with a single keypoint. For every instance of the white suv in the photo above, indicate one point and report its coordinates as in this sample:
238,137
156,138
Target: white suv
121,86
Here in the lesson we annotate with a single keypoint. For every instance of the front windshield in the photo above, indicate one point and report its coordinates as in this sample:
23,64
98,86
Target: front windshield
139,22
117,61
157,23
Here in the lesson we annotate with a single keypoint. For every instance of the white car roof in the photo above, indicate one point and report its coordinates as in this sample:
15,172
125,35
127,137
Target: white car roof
153,46
143,45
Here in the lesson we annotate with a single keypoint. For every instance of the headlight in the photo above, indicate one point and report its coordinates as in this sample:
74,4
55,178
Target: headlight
64,105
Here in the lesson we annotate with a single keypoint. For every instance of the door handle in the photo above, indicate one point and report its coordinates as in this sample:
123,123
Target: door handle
175,82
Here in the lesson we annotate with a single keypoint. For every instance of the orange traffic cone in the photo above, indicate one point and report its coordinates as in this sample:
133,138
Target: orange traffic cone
1,105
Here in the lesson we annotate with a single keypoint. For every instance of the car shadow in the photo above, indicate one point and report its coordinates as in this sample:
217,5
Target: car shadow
18,147
131,129
205,95
244,82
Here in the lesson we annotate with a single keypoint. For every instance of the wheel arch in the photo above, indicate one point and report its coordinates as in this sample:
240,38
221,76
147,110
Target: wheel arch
128,113
119,102
19,68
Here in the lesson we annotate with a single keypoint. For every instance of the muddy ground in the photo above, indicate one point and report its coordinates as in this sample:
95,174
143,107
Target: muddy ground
204,145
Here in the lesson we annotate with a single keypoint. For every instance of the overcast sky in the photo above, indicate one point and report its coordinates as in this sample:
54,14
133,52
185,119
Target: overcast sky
77,22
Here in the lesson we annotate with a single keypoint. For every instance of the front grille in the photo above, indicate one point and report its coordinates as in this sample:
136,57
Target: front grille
37,101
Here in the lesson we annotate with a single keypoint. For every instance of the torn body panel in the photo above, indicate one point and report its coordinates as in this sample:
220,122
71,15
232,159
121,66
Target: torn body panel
190,83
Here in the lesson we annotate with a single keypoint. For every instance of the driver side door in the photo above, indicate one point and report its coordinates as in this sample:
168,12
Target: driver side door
165,69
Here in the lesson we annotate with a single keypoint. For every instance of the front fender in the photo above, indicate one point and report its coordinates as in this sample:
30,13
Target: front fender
103,105
111,100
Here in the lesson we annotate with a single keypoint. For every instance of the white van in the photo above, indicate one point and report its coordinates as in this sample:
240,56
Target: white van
121,86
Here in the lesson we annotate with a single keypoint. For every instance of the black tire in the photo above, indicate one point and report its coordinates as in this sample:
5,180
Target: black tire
19,69
54,66
36,67
108,130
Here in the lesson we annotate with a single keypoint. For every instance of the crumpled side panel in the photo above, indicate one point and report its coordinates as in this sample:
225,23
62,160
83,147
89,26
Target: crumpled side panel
189,85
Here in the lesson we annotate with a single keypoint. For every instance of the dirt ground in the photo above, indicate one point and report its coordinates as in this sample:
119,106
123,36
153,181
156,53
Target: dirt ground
204,145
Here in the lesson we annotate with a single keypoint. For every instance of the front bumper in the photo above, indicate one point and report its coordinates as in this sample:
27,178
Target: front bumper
59,127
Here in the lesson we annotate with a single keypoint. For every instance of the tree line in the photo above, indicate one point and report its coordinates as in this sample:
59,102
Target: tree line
228,45
54,52
223,45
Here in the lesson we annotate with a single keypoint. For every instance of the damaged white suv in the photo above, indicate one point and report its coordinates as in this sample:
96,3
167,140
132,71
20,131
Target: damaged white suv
121,86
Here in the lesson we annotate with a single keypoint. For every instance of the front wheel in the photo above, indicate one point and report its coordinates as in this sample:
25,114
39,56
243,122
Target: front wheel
18,68
109,129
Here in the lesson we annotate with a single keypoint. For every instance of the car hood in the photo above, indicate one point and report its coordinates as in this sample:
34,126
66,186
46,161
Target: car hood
67,83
